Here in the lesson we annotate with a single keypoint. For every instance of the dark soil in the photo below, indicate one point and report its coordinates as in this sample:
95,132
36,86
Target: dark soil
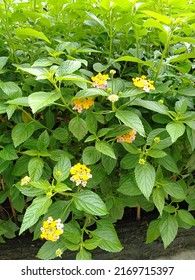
132,235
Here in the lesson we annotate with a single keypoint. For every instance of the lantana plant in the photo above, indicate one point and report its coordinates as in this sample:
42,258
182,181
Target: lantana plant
97,116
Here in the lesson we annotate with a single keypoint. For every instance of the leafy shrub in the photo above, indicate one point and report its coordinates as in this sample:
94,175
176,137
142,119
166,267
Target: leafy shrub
97,114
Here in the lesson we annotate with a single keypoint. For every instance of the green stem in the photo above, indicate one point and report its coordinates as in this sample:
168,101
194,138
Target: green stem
110,35
35,4
163,55
53,82
32,119
9,39
137,53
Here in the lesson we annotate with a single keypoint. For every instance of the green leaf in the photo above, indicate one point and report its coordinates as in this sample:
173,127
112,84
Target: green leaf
132,120
3,108
175,190
175,130
168,163
90,203
30,191
155,153
41,184
91,122
73,77
35,168
105,148
90,155
99,67
99,21
145,178
43,141
168,230
10,111
68,67
43,62
131,148
38,207
61,170
181,106
155,24
128,186
153,231
72,232
98,173
191,137
90,92
160,17
61,133
106,236
39,72
108,163
159,199
11,89
8,153
60,187
22,101
59,209
103,131
38,100
78,128
134,59
91,244
151,105
21,132
48,249
184,56
24,33
83,255
129,161
186,217
3,61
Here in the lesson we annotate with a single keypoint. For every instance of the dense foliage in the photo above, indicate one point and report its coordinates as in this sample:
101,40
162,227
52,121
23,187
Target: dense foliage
97,114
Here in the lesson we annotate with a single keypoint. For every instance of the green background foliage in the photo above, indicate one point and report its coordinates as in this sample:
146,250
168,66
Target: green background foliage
48,53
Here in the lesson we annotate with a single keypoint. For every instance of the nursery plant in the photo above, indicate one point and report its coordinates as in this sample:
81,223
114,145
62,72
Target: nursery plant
97,115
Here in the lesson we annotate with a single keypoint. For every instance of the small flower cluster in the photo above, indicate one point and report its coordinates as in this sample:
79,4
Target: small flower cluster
25,180
82,103
100,81
81,174
142,82
113,98
51,229
128,137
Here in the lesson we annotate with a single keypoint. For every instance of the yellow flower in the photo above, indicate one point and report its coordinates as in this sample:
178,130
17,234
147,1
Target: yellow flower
25,180
128,137
81,174
51,229
82,103
100,81
142,82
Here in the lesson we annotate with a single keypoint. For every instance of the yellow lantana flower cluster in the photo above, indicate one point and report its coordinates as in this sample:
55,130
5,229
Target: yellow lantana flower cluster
51,229
142,82
82,103
128,137
81,174
100,81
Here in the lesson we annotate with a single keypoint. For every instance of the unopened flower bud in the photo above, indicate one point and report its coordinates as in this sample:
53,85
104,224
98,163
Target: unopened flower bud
157,139
142,161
